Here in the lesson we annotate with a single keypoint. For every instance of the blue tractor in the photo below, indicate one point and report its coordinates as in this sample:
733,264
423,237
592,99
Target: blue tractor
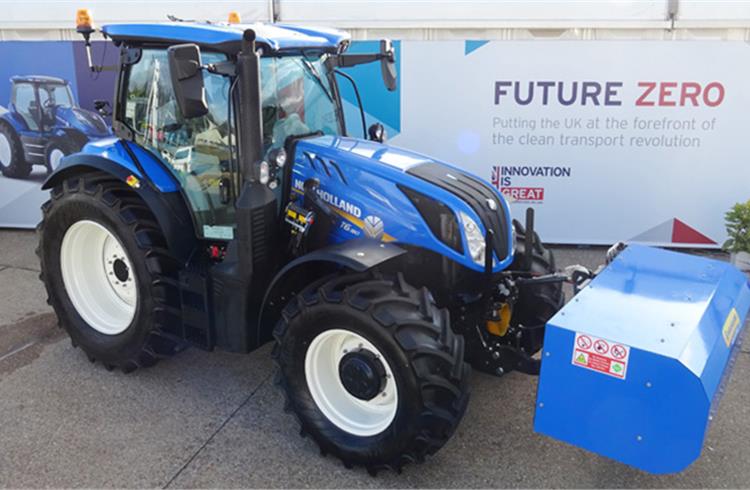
232,209
43,123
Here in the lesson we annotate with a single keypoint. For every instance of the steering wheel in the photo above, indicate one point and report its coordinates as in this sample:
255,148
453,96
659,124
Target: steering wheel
48,111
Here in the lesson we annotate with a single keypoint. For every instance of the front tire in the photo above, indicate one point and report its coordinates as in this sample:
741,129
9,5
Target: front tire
372,370
108,274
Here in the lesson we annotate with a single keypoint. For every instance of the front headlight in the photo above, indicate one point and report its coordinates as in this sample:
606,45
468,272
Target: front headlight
474,238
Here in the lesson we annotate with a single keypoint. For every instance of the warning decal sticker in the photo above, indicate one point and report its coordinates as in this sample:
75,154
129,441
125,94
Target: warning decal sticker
601,355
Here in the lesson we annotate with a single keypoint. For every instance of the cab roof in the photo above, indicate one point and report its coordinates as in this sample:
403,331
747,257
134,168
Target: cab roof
37,79
226,37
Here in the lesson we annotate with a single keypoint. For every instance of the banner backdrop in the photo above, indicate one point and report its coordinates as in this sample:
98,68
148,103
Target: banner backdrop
607,140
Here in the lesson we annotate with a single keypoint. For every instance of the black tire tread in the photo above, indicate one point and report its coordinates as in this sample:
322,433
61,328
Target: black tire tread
401,309
160,343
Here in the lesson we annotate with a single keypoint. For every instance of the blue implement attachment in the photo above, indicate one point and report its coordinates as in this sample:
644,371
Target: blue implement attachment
635,365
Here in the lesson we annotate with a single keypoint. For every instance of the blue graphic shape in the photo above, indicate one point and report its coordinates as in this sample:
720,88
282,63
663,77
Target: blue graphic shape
471,46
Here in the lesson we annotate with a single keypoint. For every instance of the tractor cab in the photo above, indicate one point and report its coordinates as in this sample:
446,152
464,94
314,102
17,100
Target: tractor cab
37,98
295,91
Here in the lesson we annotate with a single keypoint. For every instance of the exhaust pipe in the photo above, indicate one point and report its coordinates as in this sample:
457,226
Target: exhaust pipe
529,239
249,115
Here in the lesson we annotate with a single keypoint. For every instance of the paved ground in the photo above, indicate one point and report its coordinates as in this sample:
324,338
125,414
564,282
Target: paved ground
215,420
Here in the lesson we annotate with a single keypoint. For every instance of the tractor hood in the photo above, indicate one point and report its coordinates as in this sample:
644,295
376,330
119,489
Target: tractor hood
404,193
87,122
375,157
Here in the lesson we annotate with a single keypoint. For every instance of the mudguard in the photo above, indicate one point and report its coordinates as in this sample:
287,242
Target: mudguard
356,255
13,119
634,366
169,206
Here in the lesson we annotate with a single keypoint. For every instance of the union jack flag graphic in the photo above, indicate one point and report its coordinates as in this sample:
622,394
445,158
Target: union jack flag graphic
496,176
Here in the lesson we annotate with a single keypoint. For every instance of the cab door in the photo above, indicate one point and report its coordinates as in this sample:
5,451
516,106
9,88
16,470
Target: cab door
25,103
198,151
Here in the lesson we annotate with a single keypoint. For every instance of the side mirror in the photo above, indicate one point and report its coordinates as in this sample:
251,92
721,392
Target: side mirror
103,107
376,132
187,80
388,64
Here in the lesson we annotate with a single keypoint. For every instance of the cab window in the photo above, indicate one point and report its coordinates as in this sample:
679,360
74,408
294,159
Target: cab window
297,98
196,150
55,95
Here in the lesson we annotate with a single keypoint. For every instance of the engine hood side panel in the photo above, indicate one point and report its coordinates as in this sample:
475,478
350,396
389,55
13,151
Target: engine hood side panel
361,179
87,122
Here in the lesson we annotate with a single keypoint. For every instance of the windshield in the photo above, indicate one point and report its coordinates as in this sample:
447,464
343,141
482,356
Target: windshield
55,94
296,99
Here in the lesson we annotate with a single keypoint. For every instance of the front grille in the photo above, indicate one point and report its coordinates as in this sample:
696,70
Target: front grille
475,193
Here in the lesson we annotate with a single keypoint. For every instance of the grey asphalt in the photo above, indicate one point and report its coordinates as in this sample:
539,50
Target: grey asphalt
216,419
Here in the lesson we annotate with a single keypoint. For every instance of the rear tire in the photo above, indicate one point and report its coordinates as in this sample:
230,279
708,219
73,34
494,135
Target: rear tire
13,164
425,396
125,334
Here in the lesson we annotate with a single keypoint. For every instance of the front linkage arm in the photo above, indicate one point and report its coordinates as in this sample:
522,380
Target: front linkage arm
577,275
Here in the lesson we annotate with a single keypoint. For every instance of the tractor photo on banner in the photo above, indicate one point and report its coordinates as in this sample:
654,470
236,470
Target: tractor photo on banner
51,105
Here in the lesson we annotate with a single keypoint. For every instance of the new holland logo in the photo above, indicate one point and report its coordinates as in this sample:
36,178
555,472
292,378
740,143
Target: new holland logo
373,227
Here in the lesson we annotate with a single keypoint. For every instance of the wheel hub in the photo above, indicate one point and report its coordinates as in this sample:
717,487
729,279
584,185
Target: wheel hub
362,374
55,156
121,270
351,382
118,270
4,150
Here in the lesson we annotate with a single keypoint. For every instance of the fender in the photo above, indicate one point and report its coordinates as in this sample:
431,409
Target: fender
169,208
13,120
357,255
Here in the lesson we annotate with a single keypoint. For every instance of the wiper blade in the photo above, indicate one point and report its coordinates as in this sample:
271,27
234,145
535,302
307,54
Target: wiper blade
316,76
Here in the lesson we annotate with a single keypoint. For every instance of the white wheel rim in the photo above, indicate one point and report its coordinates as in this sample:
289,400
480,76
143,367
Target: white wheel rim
348,413
98,277
54,158
4,150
